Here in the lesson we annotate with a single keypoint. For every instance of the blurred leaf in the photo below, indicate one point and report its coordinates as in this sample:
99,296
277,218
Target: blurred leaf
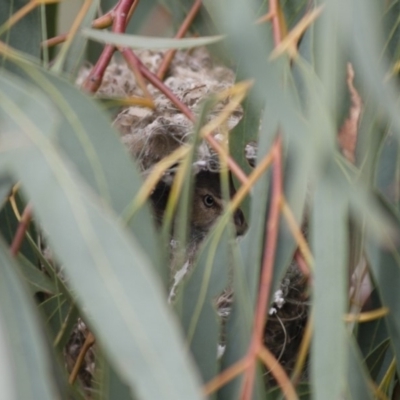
22,344
366,35
358,381
390,24
179,9
5,187
387,170
86,136
303,391
206,282
36,278
374,340
385,267
61,317
329,239
108,385
71,55
106,267
25,35
139,18
294,10
142,42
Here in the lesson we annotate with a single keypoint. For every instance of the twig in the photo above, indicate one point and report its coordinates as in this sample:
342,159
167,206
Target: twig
226,376
169,55
278,373
271,234
21,230
93,81
89,342
297,234
54,41
133,63
276,28
120,14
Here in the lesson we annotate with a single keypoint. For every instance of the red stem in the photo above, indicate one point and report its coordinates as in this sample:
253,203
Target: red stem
276,29
181,33
93,81
271,238
21,230
120,15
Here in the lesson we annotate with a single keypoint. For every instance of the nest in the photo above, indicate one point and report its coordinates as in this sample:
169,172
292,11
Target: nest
151,135
287,320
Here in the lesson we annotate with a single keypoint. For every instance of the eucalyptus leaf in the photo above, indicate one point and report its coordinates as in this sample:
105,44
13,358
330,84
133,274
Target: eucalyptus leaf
22,343
36,278
86,136
24,36
142,42
71,55
329,362
103,263
206,282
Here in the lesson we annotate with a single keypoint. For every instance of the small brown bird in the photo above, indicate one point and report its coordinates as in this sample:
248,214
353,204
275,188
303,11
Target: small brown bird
208,204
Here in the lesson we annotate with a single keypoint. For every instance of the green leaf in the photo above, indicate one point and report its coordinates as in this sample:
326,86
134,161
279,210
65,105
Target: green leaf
23,36
108,385
71,55
113,279
200,322
22,344
329,239
37,280
5,187
87,138
385,267
374,341
61,316
142,42
358,380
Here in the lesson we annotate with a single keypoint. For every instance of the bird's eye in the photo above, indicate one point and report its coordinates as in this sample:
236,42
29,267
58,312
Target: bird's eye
208,200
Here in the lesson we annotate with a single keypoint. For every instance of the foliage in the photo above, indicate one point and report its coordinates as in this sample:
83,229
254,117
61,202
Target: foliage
63,168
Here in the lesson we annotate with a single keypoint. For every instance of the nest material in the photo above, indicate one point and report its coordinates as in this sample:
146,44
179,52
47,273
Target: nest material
287,320
72,351
151,135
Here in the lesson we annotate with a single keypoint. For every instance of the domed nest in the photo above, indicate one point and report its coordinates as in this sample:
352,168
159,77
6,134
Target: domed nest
152,134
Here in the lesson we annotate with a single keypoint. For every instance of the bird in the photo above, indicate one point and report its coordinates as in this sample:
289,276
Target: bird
207,204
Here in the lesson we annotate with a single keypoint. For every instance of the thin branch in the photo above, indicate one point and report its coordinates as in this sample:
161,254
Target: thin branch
271,236
54,41
278,373
21,230
133,63
227,375
120,14
296,232
89,342
276,28
169,55
93,81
